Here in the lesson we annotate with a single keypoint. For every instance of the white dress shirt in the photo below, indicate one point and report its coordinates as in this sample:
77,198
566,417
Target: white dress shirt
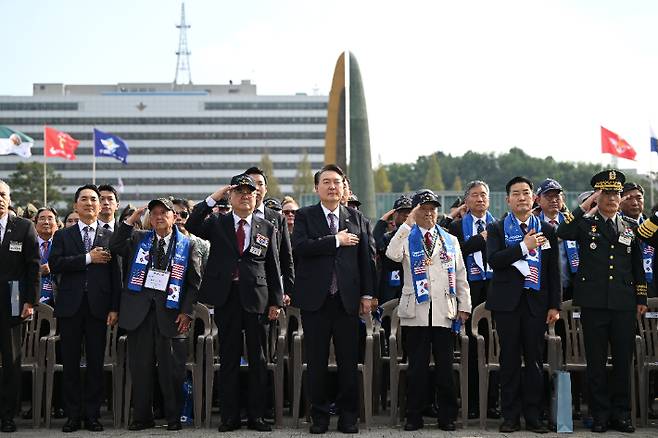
247,228
110,225
260,211
3,226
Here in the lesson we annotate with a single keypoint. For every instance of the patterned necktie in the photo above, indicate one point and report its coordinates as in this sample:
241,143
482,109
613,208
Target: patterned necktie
480,225
428,240
86,238
161,255
524,227
333,227
240,235
44,249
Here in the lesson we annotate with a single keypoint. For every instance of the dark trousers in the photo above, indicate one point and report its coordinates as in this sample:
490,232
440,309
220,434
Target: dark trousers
617,328
331,321
146,347
231,319
442,343
72,331
10,348
521,333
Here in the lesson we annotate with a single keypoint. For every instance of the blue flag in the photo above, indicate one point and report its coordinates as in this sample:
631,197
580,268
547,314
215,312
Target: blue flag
109,145
654,141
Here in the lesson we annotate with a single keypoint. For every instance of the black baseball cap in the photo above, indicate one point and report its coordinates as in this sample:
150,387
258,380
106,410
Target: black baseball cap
272,203
425,196
353,199
243,180
165,202
402,203
631,186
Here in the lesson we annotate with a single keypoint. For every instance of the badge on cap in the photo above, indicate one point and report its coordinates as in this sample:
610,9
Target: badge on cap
612,175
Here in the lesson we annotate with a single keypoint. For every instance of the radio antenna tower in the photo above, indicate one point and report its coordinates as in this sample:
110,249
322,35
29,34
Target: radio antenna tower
183,53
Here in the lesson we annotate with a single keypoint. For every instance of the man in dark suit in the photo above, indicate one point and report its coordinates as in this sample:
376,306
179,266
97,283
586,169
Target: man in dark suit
19,286
157,308
471,231
242,280
611,290
88,290
525,295
333,285
284,250
109,206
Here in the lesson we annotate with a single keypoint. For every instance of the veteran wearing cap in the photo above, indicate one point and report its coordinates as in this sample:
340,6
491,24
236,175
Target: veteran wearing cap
242,281
610,288
157,302
435,302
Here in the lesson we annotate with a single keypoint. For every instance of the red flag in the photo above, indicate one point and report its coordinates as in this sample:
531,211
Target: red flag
59,144
613,144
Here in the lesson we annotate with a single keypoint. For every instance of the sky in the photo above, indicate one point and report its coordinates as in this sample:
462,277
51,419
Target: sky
438,75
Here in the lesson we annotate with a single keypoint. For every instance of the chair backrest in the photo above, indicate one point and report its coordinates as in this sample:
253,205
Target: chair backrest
111,339
482,314
41,324
277,328
574,348
648,331
201,326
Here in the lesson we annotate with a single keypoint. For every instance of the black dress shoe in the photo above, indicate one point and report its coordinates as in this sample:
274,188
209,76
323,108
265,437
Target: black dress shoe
509,426
58,413
93,425
472,415
348,428
8,425
141,425
536,427
259,425
70,426
493,413
229,427
318,428
599,427
625,426
447,426
174,425
410,426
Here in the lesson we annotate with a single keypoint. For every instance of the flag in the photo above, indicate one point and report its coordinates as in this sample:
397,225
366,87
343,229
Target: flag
14,142
109,145
613,144
59,144
654,140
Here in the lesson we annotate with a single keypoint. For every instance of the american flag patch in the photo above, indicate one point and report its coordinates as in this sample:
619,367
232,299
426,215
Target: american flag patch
574,262
418,270
47,285
138,279
177,271
534,275
475,270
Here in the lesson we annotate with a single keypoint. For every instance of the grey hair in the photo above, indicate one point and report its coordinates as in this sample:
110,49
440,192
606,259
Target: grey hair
475,183
2,183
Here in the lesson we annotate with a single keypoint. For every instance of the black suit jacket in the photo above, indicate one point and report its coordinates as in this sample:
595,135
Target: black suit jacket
316,254
284,250
102,282
135,305
22,265
260,283
474,244
507,282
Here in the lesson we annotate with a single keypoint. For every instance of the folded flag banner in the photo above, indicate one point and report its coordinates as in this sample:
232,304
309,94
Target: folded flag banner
110,145
613,144
654,141
14,142
59,144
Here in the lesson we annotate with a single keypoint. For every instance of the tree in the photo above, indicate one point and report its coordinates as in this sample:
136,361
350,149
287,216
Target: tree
457,184
304,179
382,183
268,168
26,184
433,178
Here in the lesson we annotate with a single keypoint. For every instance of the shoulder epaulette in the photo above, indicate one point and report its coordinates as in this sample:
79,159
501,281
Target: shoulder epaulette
647,229
568,218
641,289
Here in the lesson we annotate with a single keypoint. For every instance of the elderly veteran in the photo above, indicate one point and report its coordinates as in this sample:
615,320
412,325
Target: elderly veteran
435,302
610,288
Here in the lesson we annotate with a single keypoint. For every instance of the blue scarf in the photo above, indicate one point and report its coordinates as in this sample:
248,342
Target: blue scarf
648,252
570,246
420,260
474,271
514,235
178,263
46,294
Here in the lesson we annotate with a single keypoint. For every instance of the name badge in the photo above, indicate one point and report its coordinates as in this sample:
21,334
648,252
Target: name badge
157,279
546,245
575,315
15,246
262,240
625,240
255,251
651,315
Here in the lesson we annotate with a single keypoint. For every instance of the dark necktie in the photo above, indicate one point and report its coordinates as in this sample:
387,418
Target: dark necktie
553,222
44,250
333,227
428,240
611,228
86,238
161,255
480,225
1,236
524,227
240,235
106,226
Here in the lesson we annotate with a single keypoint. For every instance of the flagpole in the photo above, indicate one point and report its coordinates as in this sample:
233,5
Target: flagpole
93,160
45,183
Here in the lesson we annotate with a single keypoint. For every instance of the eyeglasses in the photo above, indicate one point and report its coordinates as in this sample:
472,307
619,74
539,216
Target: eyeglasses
183,214
287,212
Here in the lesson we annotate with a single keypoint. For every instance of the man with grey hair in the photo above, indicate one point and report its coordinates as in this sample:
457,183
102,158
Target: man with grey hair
472,235
19,283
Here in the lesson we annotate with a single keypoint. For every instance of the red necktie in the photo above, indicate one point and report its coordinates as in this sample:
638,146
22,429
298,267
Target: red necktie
428,240
240,235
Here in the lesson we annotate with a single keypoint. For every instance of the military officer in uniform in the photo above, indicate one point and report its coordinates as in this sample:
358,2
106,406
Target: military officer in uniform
610,288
